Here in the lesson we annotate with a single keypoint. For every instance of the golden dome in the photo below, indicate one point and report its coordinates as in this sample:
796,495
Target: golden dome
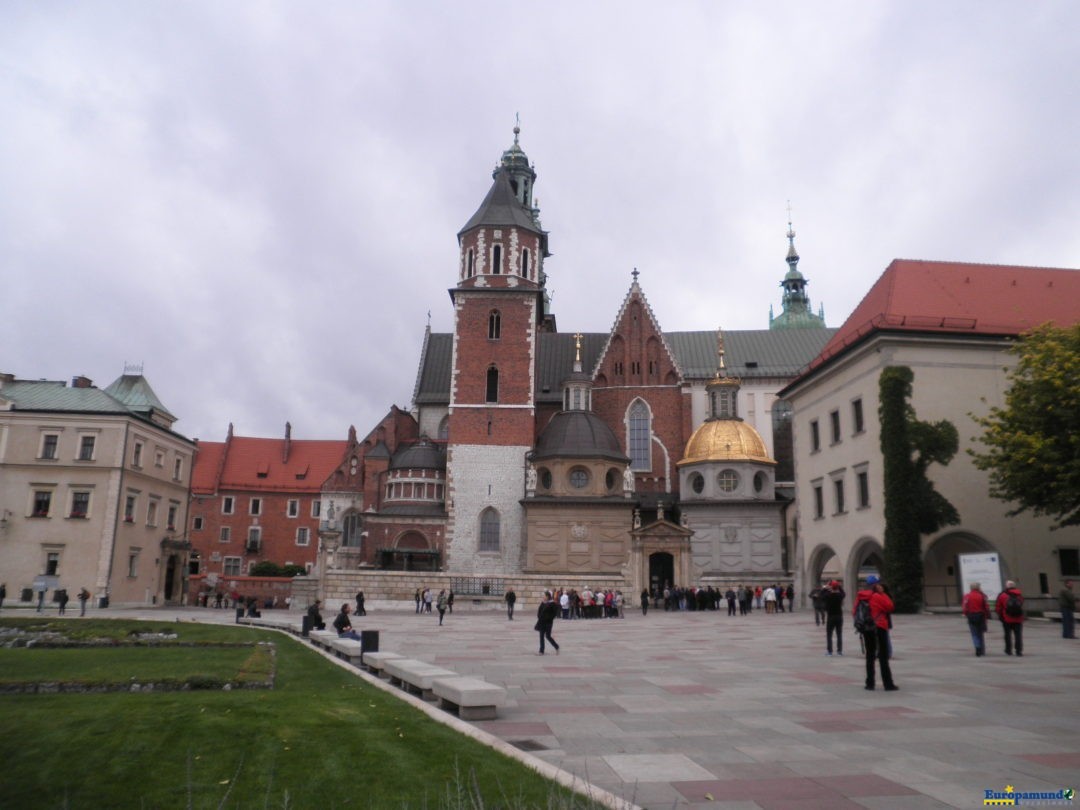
725,440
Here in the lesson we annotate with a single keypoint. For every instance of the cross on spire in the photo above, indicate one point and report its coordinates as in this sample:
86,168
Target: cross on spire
635,274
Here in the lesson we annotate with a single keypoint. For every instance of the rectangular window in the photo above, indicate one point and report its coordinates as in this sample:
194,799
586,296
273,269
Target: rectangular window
42,503
254,539
1070,562
256,506
293,508
86,448
170,522
815,436
231,567
316,508
819,501
196,524
227,505
159,457
52,563
864,489
80,504
834,421
49,444
133,564
151,513
857,416
838,488
178,469
225,535
136,455
129,509
303,536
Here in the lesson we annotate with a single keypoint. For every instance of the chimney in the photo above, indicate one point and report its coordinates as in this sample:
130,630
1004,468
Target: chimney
288,441
81,382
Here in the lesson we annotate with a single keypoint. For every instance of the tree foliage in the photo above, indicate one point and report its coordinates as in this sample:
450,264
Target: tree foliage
1033,443
913,507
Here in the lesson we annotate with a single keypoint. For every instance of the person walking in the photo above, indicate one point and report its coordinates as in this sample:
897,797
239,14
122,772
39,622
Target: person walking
832,601
545,620
360,611
1066,604
84,595
417,597
977,610
1010,609
62,598
510,599
441,604
876,637
644,601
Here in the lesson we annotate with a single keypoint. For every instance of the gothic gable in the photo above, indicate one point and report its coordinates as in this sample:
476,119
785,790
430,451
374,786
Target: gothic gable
636,351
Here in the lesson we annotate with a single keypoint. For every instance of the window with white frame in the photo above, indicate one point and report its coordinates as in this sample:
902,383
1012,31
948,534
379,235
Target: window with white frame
86,447
857,420
254,539
303,536
639,428
489,530
228,504
292,508
231,566
316,508
130,502
80,504
133,564
52,563
159,457
50,443
152,512
136,455
255,507
350,530
178,469
819,499
42,503
170,521
815,436
196,524
225,534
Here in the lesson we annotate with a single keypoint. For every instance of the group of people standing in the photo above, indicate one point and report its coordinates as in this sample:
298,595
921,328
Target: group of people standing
1009,607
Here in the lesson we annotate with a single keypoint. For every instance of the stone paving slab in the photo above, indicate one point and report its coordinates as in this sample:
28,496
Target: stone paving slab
666,708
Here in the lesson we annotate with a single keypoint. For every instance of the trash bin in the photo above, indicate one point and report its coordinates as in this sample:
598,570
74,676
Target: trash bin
305,626
369,640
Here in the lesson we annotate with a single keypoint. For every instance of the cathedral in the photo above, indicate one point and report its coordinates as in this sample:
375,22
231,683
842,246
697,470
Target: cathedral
637,455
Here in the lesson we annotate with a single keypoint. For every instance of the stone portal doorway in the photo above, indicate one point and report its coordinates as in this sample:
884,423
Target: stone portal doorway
661,571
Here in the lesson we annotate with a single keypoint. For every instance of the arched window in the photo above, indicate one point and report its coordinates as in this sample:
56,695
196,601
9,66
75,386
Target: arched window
639,429
350,530
496,259
489,530
470,264
444,428
494,324
525,262
492,385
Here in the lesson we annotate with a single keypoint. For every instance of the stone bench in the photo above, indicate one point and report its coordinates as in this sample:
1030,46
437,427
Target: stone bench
415,676
322,638
473,698
375,662
1052,615
349,649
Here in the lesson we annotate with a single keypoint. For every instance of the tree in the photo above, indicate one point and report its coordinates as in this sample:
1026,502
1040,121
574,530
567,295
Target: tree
913,507
1033,443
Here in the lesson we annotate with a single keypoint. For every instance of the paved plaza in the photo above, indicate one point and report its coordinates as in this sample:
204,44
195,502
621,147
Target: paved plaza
703,710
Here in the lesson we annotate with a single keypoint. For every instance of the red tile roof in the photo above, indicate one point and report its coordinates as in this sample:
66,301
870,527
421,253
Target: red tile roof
256,464
959,298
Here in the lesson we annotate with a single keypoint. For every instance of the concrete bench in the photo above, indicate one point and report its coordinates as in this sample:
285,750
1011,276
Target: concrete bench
376,662
349,649
322,638
473,698
416,676
1052,615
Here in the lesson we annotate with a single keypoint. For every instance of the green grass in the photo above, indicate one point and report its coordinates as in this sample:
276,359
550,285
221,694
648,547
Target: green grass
322,738
98,665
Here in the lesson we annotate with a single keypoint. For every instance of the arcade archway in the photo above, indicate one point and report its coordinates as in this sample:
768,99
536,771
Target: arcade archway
941,568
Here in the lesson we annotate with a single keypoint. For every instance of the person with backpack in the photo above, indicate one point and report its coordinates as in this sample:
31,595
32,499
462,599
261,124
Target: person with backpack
977,611
872,610
1010,609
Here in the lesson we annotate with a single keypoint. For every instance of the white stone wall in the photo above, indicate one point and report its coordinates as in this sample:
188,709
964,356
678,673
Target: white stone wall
482,476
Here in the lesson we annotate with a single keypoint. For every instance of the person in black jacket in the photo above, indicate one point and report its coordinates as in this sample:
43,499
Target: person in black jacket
832,599
545,619
317,622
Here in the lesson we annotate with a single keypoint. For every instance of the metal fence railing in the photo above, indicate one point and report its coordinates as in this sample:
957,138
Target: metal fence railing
476,586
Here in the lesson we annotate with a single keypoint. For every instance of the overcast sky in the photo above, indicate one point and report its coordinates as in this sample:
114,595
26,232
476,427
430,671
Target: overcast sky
259,201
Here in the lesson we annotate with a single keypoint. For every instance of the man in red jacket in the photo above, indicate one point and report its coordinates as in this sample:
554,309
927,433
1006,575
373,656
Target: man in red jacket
876,641
1010,609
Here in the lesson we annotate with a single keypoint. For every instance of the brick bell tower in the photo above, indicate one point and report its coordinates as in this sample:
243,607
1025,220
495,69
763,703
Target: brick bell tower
499,308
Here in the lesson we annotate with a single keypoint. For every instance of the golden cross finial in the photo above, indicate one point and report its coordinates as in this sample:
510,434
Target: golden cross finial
577,347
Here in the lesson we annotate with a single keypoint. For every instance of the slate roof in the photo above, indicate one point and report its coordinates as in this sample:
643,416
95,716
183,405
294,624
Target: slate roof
578,434
959,298
502,208
749,354
255,464
135,392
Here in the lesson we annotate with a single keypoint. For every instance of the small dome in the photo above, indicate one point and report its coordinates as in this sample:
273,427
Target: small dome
578,434
424,455
725,440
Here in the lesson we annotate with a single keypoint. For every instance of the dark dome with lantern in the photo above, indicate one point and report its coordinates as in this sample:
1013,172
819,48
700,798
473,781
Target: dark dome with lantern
424,455
578,434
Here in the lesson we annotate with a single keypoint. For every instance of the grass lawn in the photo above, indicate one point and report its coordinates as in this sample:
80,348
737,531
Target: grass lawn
101,665
322,738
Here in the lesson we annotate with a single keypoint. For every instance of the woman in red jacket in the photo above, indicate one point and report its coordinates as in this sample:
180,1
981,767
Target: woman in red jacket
977,610
876,641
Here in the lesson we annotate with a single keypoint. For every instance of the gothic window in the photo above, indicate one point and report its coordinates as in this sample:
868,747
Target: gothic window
444,428
470,264
492,385
350,530
525,262
489,530
639,425
496,259
494,324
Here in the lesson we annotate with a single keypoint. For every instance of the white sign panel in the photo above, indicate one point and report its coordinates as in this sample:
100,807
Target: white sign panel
984,569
